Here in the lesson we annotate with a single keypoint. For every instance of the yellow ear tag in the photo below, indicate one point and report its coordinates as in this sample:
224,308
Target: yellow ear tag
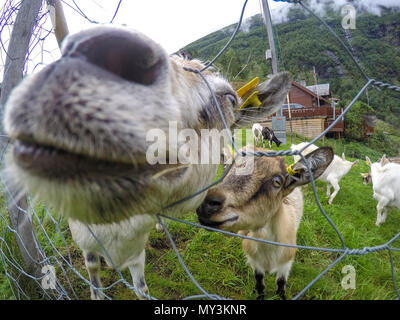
291,171
368,163
251,100
247,87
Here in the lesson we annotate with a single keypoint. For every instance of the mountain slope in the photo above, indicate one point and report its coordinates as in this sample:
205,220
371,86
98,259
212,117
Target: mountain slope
303,43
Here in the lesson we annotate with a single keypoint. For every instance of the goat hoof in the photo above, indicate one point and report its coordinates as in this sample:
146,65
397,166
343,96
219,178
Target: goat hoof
260,297
281,294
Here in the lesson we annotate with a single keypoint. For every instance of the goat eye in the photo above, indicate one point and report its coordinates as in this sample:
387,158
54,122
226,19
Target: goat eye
231,98
277,181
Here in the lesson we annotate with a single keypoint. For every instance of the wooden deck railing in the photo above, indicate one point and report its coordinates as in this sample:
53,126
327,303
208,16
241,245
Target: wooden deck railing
312,112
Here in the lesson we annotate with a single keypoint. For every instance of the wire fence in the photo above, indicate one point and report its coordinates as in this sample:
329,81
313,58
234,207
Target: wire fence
53,237
38,50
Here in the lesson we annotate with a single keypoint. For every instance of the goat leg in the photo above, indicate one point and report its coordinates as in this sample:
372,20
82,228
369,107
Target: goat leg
281,283
259,284
277,141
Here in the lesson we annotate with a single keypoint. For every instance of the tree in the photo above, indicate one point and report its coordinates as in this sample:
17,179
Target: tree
354,129
230,63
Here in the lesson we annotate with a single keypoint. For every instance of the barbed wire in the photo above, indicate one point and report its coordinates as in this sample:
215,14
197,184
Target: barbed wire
55,249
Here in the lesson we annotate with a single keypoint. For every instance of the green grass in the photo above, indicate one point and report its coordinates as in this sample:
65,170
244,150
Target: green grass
7,243
219,265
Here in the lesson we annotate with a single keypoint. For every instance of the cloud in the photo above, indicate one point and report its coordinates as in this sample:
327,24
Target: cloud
246,24
320,7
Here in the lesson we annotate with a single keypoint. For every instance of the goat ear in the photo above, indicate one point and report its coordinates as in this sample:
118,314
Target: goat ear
343,157
318,161
271,94
368,161
384,160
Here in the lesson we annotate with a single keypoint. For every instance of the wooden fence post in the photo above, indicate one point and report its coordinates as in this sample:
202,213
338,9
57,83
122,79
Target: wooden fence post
13,72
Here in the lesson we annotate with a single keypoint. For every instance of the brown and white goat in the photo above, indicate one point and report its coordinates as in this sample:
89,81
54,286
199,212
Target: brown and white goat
265,204
80,138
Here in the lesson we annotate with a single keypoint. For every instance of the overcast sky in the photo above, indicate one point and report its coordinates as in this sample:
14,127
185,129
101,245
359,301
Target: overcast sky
172,23
176,23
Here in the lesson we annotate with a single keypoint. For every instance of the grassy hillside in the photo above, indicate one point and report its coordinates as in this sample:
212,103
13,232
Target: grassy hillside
219,265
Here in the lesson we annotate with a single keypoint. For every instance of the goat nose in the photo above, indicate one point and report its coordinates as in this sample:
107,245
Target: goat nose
210,205
129,55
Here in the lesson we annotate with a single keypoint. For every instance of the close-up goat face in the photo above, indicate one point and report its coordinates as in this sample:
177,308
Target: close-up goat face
79,125
248,202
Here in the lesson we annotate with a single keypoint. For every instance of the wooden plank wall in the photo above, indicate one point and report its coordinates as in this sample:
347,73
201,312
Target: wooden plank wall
309,128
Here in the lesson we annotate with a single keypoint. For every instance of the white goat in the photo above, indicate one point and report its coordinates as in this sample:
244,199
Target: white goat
265,204
333,174
124,243
386,186
384,160
80,130
257,133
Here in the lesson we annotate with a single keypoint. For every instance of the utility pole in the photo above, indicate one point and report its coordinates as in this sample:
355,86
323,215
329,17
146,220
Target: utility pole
268,23
279,122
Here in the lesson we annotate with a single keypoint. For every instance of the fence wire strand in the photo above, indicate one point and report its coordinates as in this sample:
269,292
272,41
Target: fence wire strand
55,250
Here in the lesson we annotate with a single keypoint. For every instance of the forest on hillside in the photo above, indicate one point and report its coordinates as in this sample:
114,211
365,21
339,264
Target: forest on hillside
303,43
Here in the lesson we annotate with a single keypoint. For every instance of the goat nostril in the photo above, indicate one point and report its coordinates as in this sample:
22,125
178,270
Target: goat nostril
209,207
126,54
213,204
211,210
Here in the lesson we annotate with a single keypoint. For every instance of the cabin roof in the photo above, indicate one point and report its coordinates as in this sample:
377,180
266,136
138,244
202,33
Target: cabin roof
310,92
320,89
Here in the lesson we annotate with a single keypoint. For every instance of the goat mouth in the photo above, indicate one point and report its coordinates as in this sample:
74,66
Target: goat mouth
217,224
53,162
